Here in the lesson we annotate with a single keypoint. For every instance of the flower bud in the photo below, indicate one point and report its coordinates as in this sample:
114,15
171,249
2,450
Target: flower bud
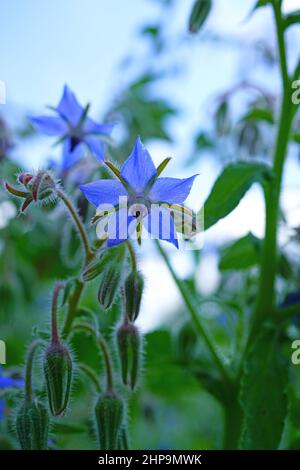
109,285
109,413
58,375
129,347
199,14
134,285
32,426
95,268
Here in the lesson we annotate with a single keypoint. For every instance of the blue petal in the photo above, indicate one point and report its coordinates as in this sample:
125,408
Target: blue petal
103,192
6,382
2,408
171,190
69,108
96,147
49,125
138,168
94,127
159,223
71,157
121,227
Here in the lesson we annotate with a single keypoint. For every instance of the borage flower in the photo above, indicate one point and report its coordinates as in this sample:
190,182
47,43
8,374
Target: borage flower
75,130
139,198
8,382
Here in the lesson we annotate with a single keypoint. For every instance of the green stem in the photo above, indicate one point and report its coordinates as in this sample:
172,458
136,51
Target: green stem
72,307
281,45
28,372
77,221
91,374
54,330
194,315
104,349
266,297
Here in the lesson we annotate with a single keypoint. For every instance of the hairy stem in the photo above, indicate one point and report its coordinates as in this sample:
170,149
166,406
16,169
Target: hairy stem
54,330
28,372
195,317
105,351
79,225
72,307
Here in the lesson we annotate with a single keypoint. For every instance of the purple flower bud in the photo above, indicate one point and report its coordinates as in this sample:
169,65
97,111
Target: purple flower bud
129,347
109,414
134,285
58,375
32,426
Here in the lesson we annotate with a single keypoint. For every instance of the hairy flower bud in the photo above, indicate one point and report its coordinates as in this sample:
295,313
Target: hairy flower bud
129,347
109,285
58,375
109,414
134,285
32,426
199,14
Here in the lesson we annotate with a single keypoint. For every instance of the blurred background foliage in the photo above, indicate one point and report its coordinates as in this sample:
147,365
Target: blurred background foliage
178,404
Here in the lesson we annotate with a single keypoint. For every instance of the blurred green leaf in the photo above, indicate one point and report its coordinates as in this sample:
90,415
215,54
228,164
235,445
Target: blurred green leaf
291,19
242,254
259,114
230,187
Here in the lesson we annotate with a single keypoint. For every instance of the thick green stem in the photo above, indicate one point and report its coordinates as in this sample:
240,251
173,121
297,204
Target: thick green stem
266,297
28,372
233,420
195,317
54,329
281,45
79,225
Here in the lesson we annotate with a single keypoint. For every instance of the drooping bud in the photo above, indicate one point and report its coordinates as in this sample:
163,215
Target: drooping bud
129,348
109,414
58,375
32,426
95,268
134,285
199,14
109,285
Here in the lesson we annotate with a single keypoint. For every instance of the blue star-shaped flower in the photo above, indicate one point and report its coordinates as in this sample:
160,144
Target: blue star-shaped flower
74,129
8,382
150,201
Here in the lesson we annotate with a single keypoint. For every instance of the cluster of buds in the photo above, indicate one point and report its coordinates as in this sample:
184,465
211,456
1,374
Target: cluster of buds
129,340
39,187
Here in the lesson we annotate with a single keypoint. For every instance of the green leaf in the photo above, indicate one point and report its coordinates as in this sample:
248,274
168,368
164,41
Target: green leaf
242,254
291,19
263,393
230,188
261,3
259,114
199,14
